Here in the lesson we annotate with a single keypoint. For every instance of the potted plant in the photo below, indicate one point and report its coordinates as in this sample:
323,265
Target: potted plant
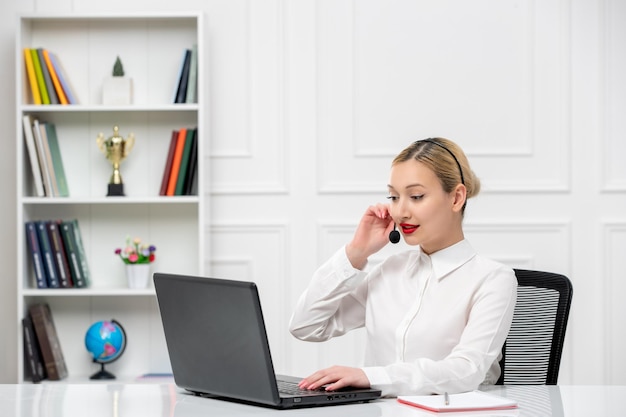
117,89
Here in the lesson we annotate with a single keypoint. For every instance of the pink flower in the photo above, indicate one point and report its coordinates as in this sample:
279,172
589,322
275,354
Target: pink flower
136,253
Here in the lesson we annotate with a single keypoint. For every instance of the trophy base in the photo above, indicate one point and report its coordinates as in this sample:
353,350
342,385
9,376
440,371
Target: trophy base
116,190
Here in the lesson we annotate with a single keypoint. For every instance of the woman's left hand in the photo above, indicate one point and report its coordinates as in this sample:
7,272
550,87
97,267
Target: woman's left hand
336,377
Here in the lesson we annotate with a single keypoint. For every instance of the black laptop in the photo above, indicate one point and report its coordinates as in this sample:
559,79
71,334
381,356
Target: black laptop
218,345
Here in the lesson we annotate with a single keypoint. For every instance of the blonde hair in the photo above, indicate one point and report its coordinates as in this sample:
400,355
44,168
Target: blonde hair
446,159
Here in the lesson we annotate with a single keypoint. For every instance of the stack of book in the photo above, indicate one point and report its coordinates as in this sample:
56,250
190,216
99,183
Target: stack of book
42,350
57,254
45,159
186,90
48,83
179,174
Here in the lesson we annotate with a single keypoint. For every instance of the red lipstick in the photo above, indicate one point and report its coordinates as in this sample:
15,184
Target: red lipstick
407,229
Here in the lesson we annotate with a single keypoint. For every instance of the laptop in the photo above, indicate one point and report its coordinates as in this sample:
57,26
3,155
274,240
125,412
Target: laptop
218,346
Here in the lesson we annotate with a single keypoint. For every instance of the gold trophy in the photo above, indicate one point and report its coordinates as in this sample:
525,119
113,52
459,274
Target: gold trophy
116,149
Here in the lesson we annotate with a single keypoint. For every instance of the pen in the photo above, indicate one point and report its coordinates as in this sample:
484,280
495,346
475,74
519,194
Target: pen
446,398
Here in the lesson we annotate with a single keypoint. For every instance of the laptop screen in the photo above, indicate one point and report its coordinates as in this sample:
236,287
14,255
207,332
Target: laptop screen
216,337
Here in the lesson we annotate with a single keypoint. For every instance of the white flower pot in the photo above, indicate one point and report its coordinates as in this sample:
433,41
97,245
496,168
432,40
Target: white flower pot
117,91
138,275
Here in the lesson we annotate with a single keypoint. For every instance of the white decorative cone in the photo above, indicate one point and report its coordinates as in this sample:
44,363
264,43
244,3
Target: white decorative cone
138,275
117,91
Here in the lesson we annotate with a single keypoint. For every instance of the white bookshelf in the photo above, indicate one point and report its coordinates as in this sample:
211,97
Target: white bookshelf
150,47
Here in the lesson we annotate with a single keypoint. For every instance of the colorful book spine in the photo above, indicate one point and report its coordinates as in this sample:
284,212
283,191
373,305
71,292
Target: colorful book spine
60,257
73,255
41,154
184,163
32,77
31,146
80,247
168,163
43,134
45,99
48,341
47,255
178,155
180,74
32,352
190,176
55,79
57,160
63,79
181,93
32,241
52,95
192,84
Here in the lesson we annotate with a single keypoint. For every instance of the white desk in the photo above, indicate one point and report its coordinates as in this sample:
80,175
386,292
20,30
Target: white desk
166,400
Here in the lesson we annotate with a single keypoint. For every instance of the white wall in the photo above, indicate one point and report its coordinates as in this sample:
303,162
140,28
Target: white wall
310,100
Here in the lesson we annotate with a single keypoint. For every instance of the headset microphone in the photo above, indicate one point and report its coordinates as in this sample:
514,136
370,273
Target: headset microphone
394,235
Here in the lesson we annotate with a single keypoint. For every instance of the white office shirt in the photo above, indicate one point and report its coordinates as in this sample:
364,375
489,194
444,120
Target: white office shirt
434,323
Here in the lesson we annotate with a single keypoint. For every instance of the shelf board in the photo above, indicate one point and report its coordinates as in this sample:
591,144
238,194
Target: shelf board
109,200
80,108
120,379
156,15
88,292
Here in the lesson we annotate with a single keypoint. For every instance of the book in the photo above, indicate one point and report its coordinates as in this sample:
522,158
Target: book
46,168
168,163
45,99
48,341
467,401
81,251
60,257
63,79
43,133
57,160
32,77
181,92
46,253
178,78
31,147
190,176
73,255
184,163
178,154
32,353
32,242
52,95
192,83
55,79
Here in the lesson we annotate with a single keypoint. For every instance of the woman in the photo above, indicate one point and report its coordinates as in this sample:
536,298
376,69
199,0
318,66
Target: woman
436,317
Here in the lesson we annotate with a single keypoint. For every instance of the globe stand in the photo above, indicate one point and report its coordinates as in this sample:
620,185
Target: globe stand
102,374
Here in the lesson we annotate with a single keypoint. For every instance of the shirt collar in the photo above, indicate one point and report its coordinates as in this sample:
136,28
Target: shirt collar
447,260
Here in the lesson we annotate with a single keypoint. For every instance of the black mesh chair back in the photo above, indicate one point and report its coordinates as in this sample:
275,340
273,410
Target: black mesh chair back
531,354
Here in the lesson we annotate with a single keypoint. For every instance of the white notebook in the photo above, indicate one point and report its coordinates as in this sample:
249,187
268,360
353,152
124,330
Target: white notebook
467,401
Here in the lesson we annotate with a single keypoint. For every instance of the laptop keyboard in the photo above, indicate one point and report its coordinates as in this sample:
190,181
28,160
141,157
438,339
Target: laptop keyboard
291,388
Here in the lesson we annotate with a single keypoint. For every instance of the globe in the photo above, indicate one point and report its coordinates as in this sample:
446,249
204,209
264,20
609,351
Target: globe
106,341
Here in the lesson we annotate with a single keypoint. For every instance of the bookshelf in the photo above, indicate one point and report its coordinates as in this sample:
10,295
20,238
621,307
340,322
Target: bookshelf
150,46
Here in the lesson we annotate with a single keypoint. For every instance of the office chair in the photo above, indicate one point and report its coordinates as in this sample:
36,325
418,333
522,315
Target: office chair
531,354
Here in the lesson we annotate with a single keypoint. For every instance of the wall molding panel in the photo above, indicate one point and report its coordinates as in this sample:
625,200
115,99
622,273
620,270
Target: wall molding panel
249,145
258,252
612,278
613,61
358,67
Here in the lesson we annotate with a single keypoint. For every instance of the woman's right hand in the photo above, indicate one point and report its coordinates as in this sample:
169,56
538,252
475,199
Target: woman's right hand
371,235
